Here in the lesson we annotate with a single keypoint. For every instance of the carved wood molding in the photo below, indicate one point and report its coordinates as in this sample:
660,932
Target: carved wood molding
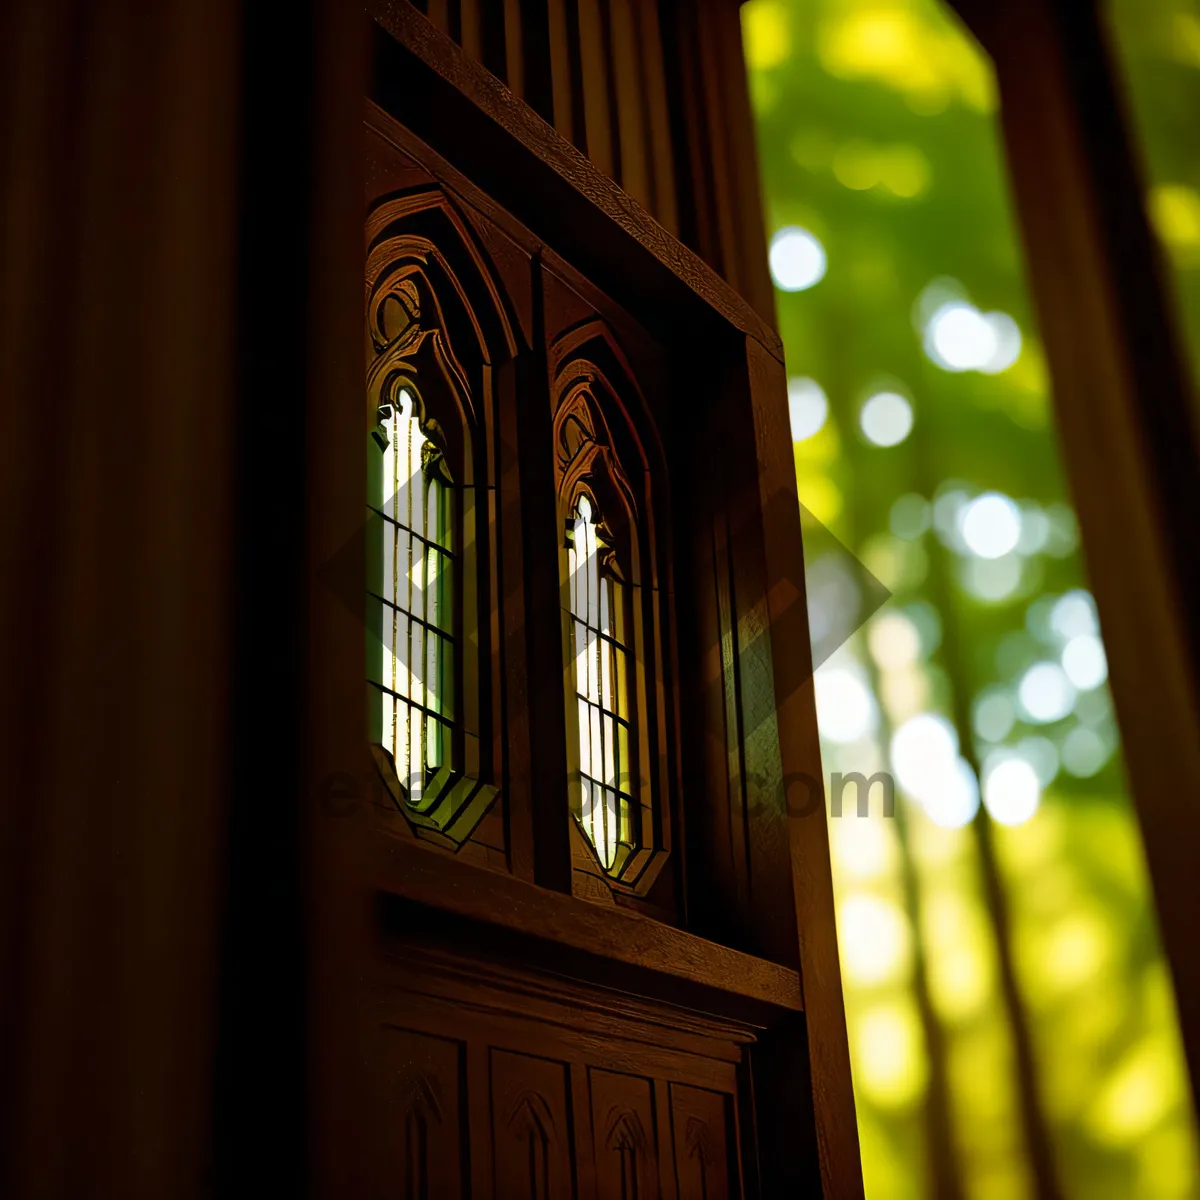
556,1000
591,939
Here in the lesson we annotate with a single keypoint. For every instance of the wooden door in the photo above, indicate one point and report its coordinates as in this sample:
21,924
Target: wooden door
589,849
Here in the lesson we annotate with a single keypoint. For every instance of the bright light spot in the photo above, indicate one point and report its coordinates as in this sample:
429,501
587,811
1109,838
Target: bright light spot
863,850
890,1057
856,166
910,516
993,716
886,419
1175,211
900,168
796,258
820,495
875,940
958,959
922,749
1084,662
925,758
1076,949
1144,1087
956,801
1011,792
935,848
1008,343
958,337
1084,752
1045,693
900,50
845,708
935,296
960,984
992,579
894,641
904,693
1034,847
807,407
1185,34
765,35
991,525
1073,615
906,171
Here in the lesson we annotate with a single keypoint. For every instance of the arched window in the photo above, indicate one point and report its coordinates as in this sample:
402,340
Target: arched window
439,337
416,671
616,614
599,625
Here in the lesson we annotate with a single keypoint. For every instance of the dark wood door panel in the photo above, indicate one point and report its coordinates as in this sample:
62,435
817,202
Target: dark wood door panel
625,1136
425,1126
532,1134
700,1123
566,1098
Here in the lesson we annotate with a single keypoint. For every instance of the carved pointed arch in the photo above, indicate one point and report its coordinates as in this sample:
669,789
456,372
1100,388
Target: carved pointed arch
426,1098
593,341
625,1129
607,452
529,1112
440,335
422,1113
427,224
436,313
699,1142
588,465
532,1123
626,1138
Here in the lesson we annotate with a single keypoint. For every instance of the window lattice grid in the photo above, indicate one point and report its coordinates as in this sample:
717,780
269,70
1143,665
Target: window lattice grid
415,684
601,659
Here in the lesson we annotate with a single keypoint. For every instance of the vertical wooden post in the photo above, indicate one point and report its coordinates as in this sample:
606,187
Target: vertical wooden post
812,880
1126,414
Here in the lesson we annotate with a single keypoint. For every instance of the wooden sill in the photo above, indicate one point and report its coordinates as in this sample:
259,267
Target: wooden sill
608,945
